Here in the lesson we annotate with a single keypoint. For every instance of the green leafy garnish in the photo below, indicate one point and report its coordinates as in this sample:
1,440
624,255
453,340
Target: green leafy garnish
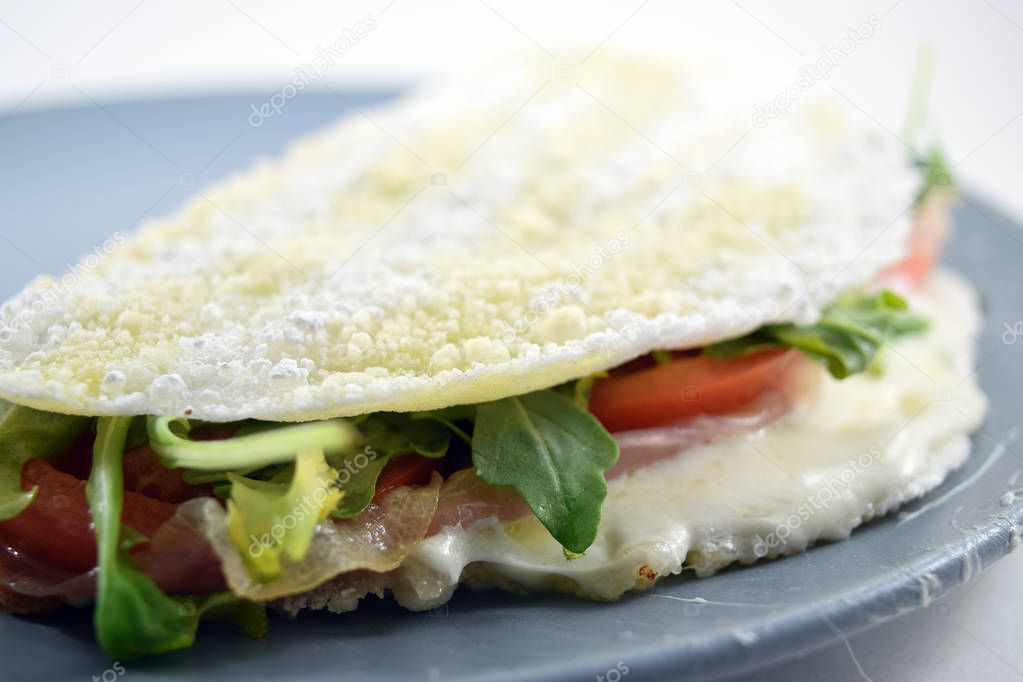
920,94
579,390
29,434
132,616
253,450
268,520
936,171
549,448
384,435
662,357
447,416
846,338
553,453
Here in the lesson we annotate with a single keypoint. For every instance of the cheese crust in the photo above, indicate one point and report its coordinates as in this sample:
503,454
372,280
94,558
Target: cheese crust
524,230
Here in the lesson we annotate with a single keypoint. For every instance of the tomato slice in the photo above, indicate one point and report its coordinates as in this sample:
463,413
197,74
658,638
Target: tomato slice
406,470
930,229
56,529
686,387
918,264
144,474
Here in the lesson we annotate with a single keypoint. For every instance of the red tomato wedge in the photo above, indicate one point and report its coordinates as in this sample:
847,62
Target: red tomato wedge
406,470
686,387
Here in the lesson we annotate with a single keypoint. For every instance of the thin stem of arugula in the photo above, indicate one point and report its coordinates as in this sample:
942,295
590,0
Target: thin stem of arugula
251,451
105,485
133,617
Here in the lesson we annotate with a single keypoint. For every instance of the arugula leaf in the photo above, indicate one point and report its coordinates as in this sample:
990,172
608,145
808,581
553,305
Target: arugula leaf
447,416
132,616
937,173
554,453
29,434
268,520
662,357
385,435
580,389
846,338
257,449
936,170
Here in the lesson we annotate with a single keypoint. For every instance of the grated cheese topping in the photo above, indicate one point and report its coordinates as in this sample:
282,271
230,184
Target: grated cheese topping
496,234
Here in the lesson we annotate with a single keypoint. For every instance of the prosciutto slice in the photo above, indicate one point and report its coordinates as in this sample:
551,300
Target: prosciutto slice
189,551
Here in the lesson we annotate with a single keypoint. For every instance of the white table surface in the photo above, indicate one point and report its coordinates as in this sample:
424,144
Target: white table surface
58,53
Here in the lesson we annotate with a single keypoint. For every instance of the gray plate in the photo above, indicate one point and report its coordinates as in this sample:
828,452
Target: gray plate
72,177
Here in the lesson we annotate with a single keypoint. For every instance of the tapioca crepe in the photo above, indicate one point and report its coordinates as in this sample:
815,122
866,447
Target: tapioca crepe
469,242
541,328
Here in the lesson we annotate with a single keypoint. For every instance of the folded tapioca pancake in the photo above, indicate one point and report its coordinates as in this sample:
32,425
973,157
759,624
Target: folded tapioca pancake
590,326
473,241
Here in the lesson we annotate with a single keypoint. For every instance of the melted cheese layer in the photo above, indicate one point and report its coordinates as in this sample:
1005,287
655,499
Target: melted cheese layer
855,450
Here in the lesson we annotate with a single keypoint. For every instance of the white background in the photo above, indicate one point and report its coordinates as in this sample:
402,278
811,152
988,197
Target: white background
55,54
